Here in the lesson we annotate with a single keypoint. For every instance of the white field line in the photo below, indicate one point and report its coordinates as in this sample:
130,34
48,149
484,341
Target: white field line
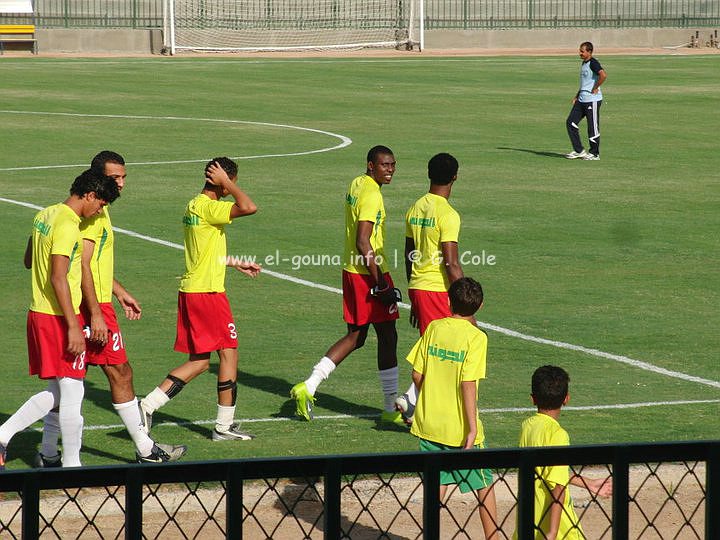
344,141
504,410
499,329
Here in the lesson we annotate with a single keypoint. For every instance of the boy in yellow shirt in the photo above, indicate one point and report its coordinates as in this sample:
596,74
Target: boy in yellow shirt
554,513
448,362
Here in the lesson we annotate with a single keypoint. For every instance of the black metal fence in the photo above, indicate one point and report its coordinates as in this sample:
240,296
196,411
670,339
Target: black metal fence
669,490
439,14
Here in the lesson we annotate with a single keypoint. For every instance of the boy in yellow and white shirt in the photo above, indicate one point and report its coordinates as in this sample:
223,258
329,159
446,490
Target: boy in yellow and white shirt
448,362
205,321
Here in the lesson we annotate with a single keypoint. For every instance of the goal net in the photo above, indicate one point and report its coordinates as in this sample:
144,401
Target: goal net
276,25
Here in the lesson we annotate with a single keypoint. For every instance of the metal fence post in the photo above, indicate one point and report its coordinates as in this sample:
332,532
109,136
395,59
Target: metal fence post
331,506
234,502
712,496
133,504
431,499
526,498
620,497
31,507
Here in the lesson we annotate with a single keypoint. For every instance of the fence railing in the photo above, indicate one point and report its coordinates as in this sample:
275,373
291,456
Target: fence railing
439,14
669,490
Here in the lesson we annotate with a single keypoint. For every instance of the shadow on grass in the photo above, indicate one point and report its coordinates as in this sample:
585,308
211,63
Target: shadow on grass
536,152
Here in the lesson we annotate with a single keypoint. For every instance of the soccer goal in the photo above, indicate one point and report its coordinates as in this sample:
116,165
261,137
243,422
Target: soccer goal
277,25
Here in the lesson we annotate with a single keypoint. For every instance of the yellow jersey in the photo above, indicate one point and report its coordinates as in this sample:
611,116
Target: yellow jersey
430,222
543,430
98,229
205,244
451,350
364,202
55,232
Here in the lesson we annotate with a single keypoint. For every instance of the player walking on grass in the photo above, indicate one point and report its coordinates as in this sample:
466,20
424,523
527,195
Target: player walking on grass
369,296
586,103
106,345
56,345
432,229
554,512
448,362
205,322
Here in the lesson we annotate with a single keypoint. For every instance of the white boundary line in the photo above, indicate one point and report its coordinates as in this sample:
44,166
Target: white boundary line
506,331
344,141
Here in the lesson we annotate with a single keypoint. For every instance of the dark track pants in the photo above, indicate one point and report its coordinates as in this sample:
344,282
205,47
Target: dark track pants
591,110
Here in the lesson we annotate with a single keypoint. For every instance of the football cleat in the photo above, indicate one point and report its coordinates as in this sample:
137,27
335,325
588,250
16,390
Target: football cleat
162,453
231,433
42,461
145,417
591,157
393,417
407,409
303,401
576,155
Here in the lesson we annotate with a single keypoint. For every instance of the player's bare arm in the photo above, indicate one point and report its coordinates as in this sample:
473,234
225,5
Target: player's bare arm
469,399
98,327
59,266
409,254
251,269
27,259
418,379
556,509
602,487
364,248
451,261
131,307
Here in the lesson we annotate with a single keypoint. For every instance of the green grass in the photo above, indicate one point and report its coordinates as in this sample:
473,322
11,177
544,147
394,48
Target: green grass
619,255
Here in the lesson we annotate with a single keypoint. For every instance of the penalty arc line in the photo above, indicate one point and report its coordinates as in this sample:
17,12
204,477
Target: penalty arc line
646,366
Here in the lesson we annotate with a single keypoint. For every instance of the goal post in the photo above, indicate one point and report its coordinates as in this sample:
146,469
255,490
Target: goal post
286,25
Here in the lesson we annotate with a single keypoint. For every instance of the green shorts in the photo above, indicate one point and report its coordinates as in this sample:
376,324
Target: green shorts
466,479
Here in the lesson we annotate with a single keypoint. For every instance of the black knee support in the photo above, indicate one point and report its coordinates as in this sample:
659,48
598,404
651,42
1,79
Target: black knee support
228,385
177,385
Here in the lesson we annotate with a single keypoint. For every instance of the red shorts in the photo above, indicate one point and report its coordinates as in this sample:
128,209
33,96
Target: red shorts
204,323
113,352
428,306
359,307
47,347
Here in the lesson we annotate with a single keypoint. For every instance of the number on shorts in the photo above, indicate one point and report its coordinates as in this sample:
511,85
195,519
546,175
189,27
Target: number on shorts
117,341
233,332
79,362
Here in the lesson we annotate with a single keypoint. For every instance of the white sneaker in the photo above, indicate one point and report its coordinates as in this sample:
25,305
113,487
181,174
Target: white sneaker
231,433
576,155
407,409
591,157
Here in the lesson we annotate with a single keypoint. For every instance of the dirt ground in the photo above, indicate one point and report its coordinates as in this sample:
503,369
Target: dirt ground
665,501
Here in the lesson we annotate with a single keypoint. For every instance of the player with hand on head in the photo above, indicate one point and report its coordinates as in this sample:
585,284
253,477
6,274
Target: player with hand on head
586,103
106,345
432,229
369,296
205,322
56,345
554,512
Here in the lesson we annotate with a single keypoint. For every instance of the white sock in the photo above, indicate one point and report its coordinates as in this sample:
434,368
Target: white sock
412,394
130,415
29,412
50,434
72,392
320,372
155,399
389,384
225,417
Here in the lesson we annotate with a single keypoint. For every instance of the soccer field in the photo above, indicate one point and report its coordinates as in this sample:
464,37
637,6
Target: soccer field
610,269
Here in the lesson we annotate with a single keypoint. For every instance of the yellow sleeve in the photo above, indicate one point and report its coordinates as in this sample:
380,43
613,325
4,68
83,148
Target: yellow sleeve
418,355
449,227
65,238
369,205
91,229
215,212
475,366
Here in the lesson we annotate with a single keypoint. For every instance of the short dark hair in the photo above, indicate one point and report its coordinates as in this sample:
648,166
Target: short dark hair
92,181
466,296
587,45
227,164
106,156
375,151
550,387
442,169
